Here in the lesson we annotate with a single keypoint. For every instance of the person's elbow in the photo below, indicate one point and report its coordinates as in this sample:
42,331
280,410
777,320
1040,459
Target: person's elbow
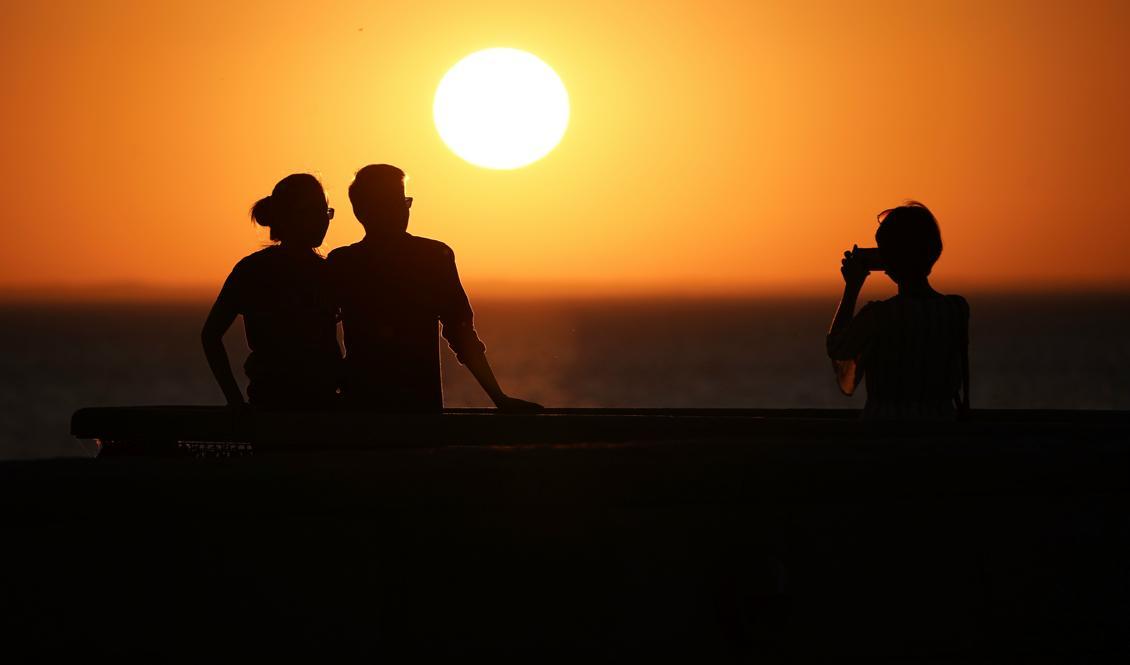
469,353
845,376
464,341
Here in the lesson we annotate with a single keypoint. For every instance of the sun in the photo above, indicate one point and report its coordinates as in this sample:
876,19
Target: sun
501,108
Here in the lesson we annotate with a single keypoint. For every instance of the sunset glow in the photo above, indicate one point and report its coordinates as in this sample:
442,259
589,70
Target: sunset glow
727,147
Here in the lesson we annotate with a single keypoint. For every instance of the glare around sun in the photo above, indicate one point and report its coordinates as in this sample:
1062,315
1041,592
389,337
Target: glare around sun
501,108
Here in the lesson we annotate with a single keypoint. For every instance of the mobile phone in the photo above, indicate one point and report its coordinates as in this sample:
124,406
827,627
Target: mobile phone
870,258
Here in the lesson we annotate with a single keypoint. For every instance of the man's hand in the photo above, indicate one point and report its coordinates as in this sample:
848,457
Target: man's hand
480,369
515,405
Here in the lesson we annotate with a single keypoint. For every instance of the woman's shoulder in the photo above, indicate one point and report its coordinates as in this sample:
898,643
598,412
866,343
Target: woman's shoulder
273,255
255,259
272,260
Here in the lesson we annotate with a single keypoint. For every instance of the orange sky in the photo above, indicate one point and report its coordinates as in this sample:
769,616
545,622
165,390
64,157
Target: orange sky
712,146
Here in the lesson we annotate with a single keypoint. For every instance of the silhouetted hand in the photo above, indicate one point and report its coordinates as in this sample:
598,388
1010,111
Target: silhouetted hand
853,269
515,405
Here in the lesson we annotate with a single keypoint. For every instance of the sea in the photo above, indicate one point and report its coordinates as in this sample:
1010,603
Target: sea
1061,351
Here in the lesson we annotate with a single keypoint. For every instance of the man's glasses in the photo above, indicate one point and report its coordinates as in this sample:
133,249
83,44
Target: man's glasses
381,203
329,213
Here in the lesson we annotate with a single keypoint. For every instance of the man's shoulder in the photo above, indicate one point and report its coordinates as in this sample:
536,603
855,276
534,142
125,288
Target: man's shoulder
428,244
417,244
343,252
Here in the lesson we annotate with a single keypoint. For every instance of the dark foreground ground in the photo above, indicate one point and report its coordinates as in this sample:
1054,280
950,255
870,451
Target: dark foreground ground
793,537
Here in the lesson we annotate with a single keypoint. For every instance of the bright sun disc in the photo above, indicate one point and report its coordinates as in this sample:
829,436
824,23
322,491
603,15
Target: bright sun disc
501,108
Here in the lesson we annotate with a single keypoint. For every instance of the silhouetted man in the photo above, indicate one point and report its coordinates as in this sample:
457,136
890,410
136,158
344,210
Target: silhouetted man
392,288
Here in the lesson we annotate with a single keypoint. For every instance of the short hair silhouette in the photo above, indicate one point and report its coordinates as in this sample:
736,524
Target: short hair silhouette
909,240
377,195
393,289
295,210
911,349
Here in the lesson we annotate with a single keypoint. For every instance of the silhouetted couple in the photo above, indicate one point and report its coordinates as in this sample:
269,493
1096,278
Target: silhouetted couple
389,291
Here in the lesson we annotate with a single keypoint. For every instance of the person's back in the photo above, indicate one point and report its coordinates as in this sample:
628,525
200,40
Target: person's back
394,290
911,349
283,294
291,327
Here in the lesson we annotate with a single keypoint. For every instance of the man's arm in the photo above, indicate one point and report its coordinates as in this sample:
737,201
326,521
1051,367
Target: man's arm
459,331
481,370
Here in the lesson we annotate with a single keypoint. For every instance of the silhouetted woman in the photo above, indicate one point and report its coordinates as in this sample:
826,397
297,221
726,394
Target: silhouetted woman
912,349
290,321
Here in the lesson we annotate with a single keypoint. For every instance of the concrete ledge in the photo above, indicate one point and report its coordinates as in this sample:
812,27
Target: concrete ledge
153,429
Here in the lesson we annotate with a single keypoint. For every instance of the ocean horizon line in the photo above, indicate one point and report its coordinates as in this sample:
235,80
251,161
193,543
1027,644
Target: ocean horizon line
111,292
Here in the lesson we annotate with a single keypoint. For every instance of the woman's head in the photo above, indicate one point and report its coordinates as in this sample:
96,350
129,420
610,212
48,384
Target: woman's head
295,211
909,240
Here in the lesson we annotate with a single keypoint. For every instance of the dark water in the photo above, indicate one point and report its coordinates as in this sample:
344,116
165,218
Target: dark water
1028,352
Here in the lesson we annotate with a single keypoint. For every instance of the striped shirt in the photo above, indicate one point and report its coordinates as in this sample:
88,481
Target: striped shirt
912,352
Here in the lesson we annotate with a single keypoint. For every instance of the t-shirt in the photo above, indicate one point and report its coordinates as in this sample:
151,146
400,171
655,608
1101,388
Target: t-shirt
911,351
393,292
291,326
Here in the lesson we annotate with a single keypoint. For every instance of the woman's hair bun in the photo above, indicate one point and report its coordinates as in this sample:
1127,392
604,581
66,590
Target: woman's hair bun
290,211
263,211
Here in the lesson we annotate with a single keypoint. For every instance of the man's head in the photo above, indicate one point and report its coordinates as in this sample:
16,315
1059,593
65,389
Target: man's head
909,240
377,195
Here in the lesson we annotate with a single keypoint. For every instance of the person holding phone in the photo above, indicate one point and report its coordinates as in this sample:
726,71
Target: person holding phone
912,350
